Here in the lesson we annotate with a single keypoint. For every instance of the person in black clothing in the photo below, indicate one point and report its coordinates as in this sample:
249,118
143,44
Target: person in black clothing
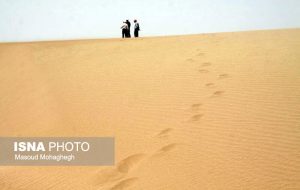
124,30
128,32
136,29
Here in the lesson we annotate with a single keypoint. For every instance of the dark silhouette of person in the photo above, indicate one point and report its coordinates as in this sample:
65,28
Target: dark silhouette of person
129,25
124,30
136,29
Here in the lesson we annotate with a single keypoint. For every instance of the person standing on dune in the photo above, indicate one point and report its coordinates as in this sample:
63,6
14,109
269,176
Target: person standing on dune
136,29
124,30
129,25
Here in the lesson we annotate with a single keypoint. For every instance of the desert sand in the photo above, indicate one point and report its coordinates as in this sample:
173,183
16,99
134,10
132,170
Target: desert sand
211,111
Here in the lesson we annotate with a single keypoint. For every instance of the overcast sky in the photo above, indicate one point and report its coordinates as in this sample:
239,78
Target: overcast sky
31,20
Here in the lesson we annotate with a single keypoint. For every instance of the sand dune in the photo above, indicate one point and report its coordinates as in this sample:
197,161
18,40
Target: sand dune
213,111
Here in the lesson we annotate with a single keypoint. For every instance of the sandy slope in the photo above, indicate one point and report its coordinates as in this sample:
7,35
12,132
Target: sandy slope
215,111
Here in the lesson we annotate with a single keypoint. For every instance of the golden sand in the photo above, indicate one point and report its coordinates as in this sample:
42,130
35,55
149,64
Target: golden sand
213,111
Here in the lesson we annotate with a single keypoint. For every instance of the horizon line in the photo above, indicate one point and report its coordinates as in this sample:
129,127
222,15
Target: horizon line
142,37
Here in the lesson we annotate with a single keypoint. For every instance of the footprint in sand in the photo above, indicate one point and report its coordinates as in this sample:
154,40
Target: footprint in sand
206,64
218,93
200,54
203,71
124,184
210,85
195,107
122,168
196,117
164,133
166,148
108,176
190,60
223,76
130,162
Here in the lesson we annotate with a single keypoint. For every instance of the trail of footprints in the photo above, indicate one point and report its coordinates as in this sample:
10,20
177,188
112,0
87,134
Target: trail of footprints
204,69
118,178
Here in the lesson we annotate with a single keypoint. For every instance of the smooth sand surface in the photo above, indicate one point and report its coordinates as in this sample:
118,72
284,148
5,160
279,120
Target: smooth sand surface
213,111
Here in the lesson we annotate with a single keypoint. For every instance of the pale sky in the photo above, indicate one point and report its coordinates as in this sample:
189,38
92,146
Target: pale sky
35,20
